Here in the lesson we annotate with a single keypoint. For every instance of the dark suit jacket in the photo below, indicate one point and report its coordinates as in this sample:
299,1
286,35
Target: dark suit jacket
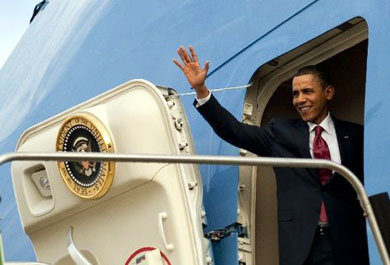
299,191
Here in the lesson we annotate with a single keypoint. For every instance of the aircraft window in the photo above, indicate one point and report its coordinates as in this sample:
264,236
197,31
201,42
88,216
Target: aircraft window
341,51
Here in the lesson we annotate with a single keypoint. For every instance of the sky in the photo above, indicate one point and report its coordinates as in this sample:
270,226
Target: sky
14,20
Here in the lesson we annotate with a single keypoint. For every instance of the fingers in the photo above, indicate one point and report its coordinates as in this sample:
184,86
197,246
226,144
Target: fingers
178,64
206,67
187,58
193,54
180,52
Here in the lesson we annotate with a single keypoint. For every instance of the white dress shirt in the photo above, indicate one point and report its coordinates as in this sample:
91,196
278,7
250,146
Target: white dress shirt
202,101
329,135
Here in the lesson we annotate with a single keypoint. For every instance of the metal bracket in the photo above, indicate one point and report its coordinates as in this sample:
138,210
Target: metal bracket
217,235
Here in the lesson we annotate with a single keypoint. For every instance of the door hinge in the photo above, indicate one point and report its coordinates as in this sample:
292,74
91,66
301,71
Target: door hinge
227,231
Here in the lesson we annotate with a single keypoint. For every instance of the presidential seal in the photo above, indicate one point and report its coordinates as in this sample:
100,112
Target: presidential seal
85,133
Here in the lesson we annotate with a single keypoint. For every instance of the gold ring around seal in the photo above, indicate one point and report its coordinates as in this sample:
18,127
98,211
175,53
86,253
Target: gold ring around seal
85,133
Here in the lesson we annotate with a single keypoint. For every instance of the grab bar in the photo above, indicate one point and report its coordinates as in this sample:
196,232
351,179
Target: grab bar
225,160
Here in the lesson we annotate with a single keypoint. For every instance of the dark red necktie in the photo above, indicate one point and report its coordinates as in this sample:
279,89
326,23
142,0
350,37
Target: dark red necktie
321,151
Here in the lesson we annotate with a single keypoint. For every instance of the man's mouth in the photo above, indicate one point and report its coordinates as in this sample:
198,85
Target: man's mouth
304,109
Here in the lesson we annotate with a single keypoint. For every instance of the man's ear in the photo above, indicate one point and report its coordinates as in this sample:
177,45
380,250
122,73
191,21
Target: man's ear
329,92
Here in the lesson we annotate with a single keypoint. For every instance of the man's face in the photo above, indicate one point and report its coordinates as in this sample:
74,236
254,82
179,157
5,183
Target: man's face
310,99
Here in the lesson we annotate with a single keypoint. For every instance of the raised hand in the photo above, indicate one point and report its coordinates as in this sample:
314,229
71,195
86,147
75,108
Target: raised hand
192,70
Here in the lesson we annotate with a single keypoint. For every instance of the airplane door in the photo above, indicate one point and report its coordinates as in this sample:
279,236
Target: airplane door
123,213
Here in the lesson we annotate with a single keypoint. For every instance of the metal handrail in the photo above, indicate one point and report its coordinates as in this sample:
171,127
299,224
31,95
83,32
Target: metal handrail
226,160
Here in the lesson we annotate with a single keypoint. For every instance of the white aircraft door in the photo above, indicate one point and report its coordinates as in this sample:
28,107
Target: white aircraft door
123,213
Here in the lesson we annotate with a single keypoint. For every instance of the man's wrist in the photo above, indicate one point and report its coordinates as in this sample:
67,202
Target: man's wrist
202,91
202,94
202,101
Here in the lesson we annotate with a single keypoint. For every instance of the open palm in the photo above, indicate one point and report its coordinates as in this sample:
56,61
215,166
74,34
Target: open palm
191,68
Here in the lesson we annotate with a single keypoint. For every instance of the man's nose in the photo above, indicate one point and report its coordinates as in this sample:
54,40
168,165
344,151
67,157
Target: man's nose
300,98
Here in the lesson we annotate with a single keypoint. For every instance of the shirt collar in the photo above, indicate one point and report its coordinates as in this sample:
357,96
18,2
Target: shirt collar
327,124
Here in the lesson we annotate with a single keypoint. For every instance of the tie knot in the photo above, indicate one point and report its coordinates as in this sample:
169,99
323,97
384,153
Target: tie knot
318,130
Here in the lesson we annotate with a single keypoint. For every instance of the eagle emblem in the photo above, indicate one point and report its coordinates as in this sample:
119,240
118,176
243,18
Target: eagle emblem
85,133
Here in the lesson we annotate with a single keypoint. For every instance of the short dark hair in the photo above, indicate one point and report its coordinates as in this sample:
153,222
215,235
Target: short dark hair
321,75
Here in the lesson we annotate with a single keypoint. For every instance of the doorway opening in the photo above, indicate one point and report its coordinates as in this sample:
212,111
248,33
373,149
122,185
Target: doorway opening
342,52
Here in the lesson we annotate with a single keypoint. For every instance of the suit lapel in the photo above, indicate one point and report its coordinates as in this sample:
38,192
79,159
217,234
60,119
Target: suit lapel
342,140
302,141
